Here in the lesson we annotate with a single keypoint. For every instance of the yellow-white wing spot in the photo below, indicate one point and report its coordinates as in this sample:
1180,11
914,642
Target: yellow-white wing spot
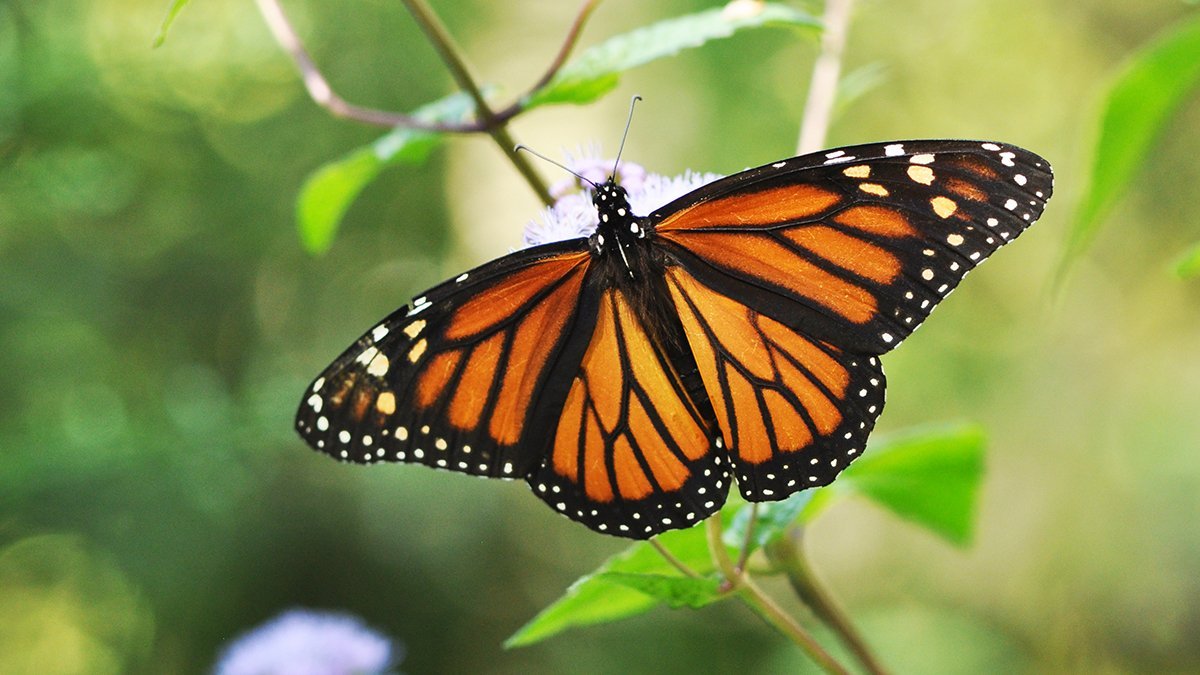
378,366
860,171
954,239
367,355
927,274
925,158
414,329
873,189
386,403
943,206
318,384
417,351
379,332
921,174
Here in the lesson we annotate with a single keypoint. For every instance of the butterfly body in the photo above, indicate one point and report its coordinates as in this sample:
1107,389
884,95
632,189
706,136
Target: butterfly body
732,335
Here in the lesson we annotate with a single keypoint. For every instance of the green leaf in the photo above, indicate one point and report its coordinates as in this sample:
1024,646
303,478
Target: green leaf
1188,266
595,72
331,189
930,477
1137,106
600,597
771,520
676,591
172,12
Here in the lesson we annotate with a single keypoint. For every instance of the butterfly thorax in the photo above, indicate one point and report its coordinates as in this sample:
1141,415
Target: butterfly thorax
625,260
619,228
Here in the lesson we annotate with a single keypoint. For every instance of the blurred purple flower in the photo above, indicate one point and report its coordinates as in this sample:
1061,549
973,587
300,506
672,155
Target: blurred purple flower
301,642
574,216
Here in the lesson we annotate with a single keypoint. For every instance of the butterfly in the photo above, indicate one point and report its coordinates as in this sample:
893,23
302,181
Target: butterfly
732,335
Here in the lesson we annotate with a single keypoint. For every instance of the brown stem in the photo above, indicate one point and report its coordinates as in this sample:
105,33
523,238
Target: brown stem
773,614
822,90
559,60
320,91
787,552
451,55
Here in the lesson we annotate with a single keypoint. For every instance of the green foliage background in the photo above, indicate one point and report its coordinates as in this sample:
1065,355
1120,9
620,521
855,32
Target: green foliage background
159,319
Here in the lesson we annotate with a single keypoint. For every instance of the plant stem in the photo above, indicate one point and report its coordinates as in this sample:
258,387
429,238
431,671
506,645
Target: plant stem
670,558
747,540
451,55
765,607
787,553
822,90
720,556
318,87
736,580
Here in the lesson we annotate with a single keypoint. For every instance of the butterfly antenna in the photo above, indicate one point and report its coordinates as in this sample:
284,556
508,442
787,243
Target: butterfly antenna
540,156
628,121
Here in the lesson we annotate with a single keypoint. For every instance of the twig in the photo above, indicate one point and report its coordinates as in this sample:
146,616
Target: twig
320,91
452,57
488,121
822,90
766,608
747,540
720,556
788,553
560,59
670,558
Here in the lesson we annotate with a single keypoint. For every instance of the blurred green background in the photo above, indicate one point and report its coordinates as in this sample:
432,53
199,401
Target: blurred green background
159,320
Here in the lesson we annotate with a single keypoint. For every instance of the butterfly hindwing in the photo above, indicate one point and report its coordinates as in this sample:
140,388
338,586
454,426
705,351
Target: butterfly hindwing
631,455
856,246
458,380
793,411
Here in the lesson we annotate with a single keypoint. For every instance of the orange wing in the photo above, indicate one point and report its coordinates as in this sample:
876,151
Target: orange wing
457,382
790,278
793,411
855,247
631,453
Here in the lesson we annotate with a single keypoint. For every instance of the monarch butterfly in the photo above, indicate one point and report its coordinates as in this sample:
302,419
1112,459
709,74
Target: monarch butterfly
732,334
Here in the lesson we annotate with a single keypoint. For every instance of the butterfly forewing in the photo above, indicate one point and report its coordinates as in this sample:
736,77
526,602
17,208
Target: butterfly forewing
856,246
457,381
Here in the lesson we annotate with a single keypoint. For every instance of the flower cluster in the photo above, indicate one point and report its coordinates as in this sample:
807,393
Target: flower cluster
301,642
573,215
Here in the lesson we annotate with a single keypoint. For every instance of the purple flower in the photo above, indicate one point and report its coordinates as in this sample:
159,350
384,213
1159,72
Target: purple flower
574,216
301,642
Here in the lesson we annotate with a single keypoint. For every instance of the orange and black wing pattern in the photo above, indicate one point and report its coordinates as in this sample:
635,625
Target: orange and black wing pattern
632,453
459,380
732,334
792,410
792,278
856,246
